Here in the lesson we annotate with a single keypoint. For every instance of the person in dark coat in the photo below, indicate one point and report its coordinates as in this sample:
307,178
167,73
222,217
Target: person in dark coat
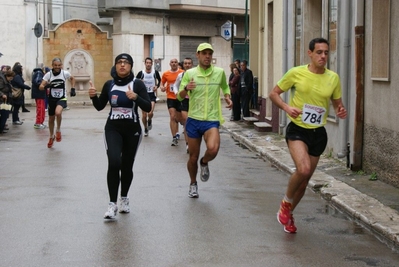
18,82
5,98
234,83
24,109
39,96
247,79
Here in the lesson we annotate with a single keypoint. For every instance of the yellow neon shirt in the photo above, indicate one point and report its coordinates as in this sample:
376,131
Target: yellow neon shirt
205,98
311,89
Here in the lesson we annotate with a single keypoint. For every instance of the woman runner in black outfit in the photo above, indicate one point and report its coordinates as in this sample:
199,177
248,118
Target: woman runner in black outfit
123,132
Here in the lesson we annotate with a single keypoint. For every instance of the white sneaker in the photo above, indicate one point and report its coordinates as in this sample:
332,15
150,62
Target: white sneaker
39,126
124,208
111,212
193,191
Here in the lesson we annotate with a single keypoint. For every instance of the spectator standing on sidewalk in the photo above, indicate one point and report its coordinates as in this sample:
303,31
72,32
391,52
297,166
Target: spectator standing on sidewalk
39,97
247,81
122,131
203,85
55,82
18,82
24,109
5,98
152,80
234,83
306,137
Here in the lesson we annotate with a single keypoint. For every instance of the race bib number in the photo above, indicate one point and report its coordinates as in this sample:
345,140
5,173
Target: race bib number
120,113
149,86
313,115
57,93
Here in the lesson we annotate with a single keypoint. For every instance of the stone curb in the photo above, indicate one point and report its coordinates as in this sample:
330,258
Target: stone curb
371,213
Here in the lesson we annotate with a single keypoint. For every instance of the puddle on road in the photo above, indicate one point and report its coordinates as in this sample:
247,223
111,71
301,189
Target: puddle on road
368,261
356,227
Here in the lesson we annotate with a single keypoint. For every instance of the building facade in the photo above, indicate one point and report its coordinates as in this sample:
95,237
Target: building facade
170,29
363,49
161,30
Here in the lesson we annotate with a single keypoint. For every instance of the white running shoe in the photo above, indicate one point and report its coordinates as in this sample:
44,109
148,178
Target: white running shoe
193,192
111,212
39,126
124,208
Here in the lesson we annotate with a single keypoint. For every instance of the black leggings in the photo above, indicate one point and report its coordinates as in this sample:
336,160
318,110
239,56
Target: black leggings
122,139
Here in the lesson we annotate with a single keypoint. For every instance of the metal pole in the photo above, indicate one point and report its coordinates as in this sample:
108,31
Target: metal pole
37,39
246,43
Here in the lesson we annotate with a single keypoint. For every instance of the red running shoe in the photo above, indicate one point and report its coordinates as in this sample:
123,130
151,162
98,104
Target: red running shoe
290,227
58,136
50,142
284,214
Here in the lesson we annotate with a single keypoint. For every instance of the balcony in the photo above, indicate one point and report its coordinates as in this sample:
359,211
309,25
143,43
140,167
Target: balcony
106,7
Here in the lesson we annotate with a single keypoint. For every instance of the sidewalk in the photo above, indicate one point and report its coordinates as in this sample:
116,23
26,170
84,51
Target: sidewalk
373,204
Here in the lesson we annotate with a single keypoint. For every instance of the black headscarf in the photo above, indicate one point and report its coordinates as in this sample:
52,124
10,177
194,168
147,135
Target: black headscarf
118,80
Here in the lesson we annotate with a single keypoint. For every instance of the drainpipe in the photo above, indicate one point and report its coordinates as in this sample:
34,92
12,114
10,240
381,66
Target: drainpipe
286,6
358,127
344,41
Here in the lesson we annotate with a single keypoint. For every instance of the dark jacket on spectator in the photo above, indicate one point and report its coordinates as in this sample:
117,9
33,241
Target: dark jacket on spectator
5,88
37,77
234,84
247,80
19,82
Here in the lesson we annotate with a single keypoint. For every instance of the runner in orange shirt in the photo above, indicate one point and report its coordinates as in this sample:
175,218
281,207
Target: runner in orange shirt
174,105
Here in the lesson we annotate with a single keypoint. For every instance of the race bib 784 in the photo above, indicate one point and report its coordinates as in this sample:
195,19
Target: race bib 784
313,115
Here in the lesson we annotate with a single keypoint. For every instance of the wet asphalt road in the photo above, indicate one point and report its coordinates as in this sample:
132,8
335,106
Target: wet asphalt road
53,201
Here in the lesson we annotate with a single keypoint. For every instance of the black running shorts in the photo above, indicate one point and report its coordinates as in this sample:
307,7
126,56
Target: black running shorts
315,139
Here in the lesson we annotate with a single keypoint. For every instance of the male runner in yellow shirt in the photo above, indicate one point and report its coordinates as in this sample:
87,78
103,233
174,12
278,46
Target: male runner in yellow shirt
203,85
312,87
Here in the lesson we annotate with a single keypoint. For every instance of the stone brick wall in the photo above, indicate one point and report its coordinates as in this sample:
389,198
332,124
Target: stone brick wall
380,155
81,34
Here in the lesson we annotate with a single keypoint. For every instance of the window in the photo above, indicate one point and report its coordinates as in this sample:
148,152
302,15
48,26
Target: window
380,33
